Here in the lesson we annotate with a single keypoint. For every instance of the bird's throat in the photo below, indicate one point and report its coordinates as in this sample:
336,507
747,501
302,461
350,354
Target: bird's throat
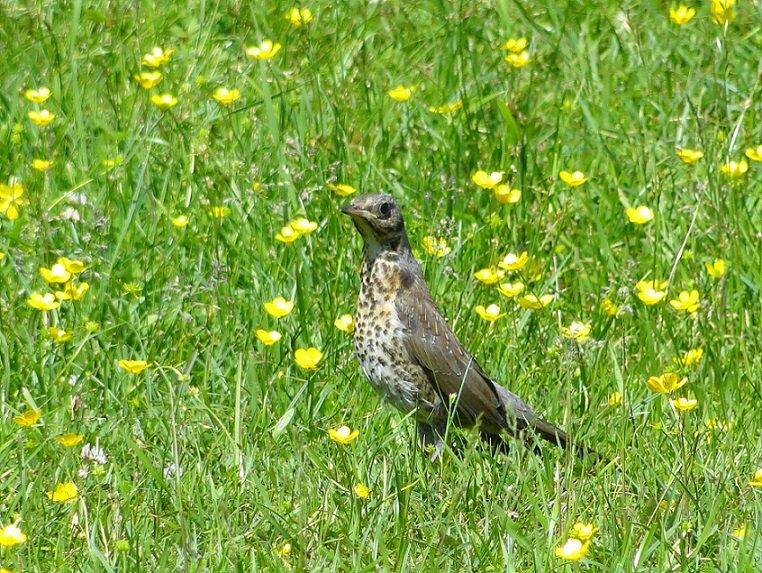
374,247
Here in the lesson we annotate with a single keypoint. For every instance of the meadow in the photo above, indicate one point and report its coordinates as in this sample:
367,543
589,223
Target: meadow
580,180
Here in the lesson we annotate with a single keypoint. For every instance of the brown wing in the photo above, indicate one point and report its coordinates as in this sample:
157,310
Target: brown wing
450,369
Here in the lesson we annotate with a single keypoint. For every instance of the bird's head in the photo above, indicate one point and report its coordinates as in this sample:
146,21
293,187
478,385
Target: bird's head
378,218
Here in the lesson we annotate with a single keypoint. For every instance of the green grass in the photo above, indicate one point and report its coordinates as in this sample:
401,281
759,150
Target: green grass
612,89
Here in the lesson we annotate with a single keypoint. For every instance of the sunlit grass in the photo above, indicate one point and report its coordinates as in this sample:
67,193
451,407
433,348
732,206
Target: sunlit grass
206,441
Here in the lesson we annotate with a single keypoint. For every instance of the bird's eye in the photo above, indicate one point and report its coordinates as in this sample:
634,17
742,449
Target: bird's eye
385,209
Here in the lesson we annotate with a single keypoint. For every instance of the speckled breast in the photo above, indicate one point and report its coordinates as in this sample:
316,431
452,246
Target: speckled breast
379,343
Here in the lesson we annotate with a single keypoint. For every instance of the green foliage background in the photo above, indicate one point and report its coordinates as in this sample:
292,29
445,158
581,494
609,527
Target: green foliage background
613,88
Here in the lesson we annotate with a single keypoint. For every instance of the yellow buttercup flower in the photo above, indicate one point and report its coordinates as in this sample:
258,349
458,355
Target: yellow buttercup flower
41,301
71,266
573,179
27,418
639,215
302,225
41,118
665,383
447,108
519,60
265,51
361,491
180,221
683,404
70,440
345,323
64,493
511,289
294,229
55,274
487,180
224,96
72,291
489,276
756,481
11,535
735,169
219,212
490,314
111,163
133,366
653,284
268,338
686,301
279,307
287,235
689,155
578,331
299,16
681,14
148,80
583,531
59,335
11,198
754,153
573,549
164,101
41,164
504,194
343,435
401,93
308,358
739,533
716,268
615,399
156,57
515,45
533,302
690,358
341,189
435,247
39,95
722,11
608,307
651,296
514,262
132,288
651,292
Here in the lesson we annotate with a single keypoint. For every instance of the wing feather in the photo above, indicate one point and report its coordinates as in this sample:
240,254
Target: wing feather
431,343
450,369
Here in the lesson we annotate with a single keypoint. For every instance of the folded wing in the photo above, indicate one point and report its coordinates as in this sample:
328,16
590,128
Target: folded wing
430,342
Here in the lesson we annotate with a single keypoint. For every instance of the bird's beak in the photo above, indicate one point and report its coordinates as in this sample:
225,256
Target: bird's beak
351,210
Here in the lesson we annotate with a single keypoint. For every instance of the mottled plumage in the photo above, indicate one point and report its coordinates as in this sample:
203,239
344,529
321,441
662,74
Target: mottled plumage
407,350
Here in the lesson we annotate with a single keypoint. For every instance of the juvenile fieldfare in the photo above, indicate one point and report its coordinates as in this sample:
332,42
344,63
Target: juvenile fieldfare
407,350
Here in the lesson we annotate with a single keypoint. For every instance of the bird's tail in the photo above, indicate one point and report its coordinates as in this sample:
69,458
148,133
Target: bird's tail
555,435
549,432
525,418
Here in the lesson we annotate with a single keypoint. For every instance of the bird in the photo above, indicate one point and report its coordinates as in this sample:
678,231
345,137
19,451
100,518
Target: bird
409,353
